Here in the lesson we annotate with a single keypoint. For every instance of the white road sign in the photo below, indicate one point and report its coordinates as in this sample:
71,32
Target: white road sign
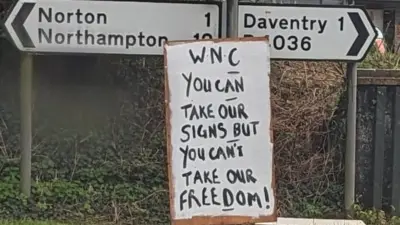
307,32
111,27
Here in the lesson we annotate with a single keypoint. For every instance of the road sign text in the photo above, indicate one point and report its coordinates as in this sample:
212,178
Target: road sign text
109,27
85,37
309,32
267,22
70,17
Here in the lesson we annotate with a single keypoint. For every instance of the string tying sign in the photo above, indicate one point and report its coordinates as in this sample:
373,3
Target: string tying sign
219,140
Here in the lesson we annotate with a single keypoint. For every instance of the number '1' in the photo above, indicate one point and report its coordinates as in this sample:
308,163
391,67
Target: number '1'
208,19
341,23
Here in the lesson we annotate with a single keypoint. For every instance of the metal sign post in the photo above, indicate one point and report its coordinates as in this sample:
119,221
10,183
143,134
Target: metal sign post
233,18
26,122
350,156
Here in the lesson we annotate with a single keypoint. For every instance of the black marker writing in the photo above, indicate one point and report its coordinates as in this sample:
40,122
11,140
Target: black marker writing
198,111
226,198
240,176
205,177
190,198
229,85
215,55
228,209
241,198
224,111
232,111
266,196
245,129
231,99
229,151
230,58
215,130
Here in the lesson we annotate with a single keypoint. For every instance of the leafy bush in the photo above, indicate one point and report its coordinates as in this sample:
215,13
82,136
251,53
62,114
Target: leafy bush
376,60
374,217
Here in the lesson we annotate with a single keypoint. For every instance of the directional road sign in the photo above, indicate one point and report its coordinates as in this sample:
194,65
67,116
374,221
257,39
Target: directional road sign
69,26
307,32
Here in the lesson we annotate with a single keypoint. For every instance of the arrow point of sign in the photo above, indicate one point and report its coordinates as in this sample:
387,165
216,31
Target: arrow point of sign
362,34
18,25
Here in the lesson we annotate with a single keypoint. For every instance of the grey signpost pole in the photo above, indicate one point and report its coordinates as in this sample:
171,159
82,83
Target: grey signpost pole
350,156
232,17
224,20
26,122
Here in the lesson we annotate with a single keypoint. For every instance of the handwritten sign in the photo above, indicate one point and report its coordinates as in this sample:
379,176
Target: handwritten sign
218,124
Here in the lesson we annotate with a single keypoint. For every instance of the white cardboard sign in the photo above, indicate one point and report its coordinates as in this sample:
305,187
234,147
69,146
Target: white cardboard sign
219,139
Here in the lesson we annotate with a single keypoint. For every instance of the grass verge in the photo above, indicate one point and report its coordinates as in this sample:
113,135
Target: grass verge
29,222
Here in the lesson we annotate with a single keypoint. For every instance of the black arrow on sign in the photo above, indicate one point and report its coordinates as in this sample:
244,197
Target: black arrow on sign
362,34
18,25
